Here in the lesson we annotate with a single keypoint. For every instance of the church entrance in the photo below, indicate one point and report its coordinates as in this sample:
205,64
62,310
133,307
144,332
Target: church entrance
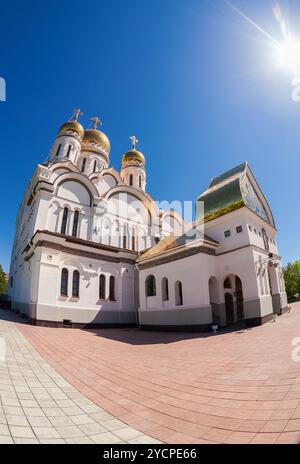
234,300
229,306
239,299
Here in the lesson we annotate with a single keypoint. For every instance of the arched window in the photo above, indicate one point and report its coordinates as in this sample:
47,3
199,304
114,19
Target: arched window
150,286
83,164
140,181
69,151
102,282
64,221
64,282
265,239
133,240
165,289
75,284
58,149
112,281
227,283
75,224
131,179
95,166
178,294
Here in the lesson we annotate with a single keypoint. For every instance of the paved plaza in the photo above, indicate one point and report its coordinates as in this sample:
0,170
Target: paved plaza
37,405
126,385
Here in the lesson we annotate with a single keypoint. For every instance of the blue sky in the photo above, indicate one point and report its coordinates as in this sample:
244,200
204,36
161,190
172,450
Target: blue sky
192,79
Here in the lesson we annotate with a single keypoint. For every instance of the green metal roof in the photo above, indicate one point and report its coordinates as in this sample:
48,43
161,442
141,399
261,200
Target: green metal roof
233,190
231,173
224,194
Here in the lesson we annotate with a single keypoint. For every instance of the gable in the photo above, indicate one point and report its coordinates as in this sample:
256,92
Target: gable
233,190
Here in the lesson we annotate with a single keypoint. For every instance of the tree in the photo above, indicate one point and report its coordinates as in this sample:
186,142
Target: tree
291,274
3,282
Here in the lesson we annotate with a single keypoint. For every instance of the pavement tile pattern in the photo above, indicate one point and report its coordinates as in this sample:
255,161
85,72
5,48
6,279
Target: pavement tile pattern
234,387
37,405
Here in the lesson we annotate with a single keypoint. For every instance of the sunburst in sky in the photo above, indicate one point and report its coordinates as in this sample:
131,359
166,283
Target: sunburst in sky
286,50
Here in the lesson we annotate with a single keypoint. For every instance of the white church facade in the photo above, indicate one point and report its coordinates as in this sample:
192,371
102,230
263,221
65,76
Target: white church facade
92,248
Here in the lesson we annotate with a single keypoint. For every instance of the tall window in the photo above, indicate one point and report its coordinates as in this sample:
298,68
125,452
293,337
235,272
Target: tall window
131,179
150,286
95,166
227,283
165,289
64,221
75,284
83,164
124,241
69,151
133,240
58,149
140,181
75,224
112,281
102,282
64,282
178,294
266,240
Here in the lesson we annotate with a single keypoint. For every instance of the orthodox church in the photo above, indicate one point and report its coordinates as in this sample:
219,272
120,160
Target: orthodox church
92,248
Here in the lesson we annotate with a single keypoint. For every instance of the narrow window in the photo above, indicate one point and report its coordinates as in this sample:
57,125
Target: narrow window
266,240
69,151
239,229
11,282
64,221
150,286
133,241
227,233
102,287
140,181
165,289
83,164
112,288
64,282
75,224
124,241
75,284
58,150
131,179
95,166
178,294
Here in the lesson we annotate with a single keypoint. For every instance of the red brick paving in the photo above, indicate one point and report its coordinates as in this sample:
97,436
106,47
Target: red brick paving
238,387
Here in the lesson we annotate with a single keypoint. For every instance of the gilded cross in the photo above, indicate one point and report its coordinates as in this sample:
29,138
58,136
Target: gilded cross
96,122
77,113
134,141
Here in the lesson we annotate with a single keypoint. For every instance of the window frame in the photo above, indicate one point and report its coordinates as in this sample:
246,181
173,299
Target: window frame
75,284
150,286
64,282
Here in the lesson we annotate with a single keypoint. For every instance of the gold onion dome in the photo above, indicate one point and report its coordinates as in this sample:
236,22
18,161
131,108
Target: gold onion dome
97,137
73,126
133,154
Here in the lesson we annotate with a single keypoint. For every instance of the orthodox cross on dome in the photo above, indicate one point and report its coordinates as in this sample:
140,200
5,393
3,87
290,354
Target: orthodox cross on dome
96,122
76,114
134,142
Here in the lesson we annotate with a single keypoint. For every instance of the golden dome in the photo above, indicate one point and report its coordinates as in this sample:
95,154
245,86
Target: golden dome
97,137
133,155
73,126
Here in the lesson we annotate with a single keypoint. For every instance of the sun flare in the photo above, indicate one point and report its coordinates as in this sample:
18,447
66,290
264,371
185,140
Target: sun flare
288,55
